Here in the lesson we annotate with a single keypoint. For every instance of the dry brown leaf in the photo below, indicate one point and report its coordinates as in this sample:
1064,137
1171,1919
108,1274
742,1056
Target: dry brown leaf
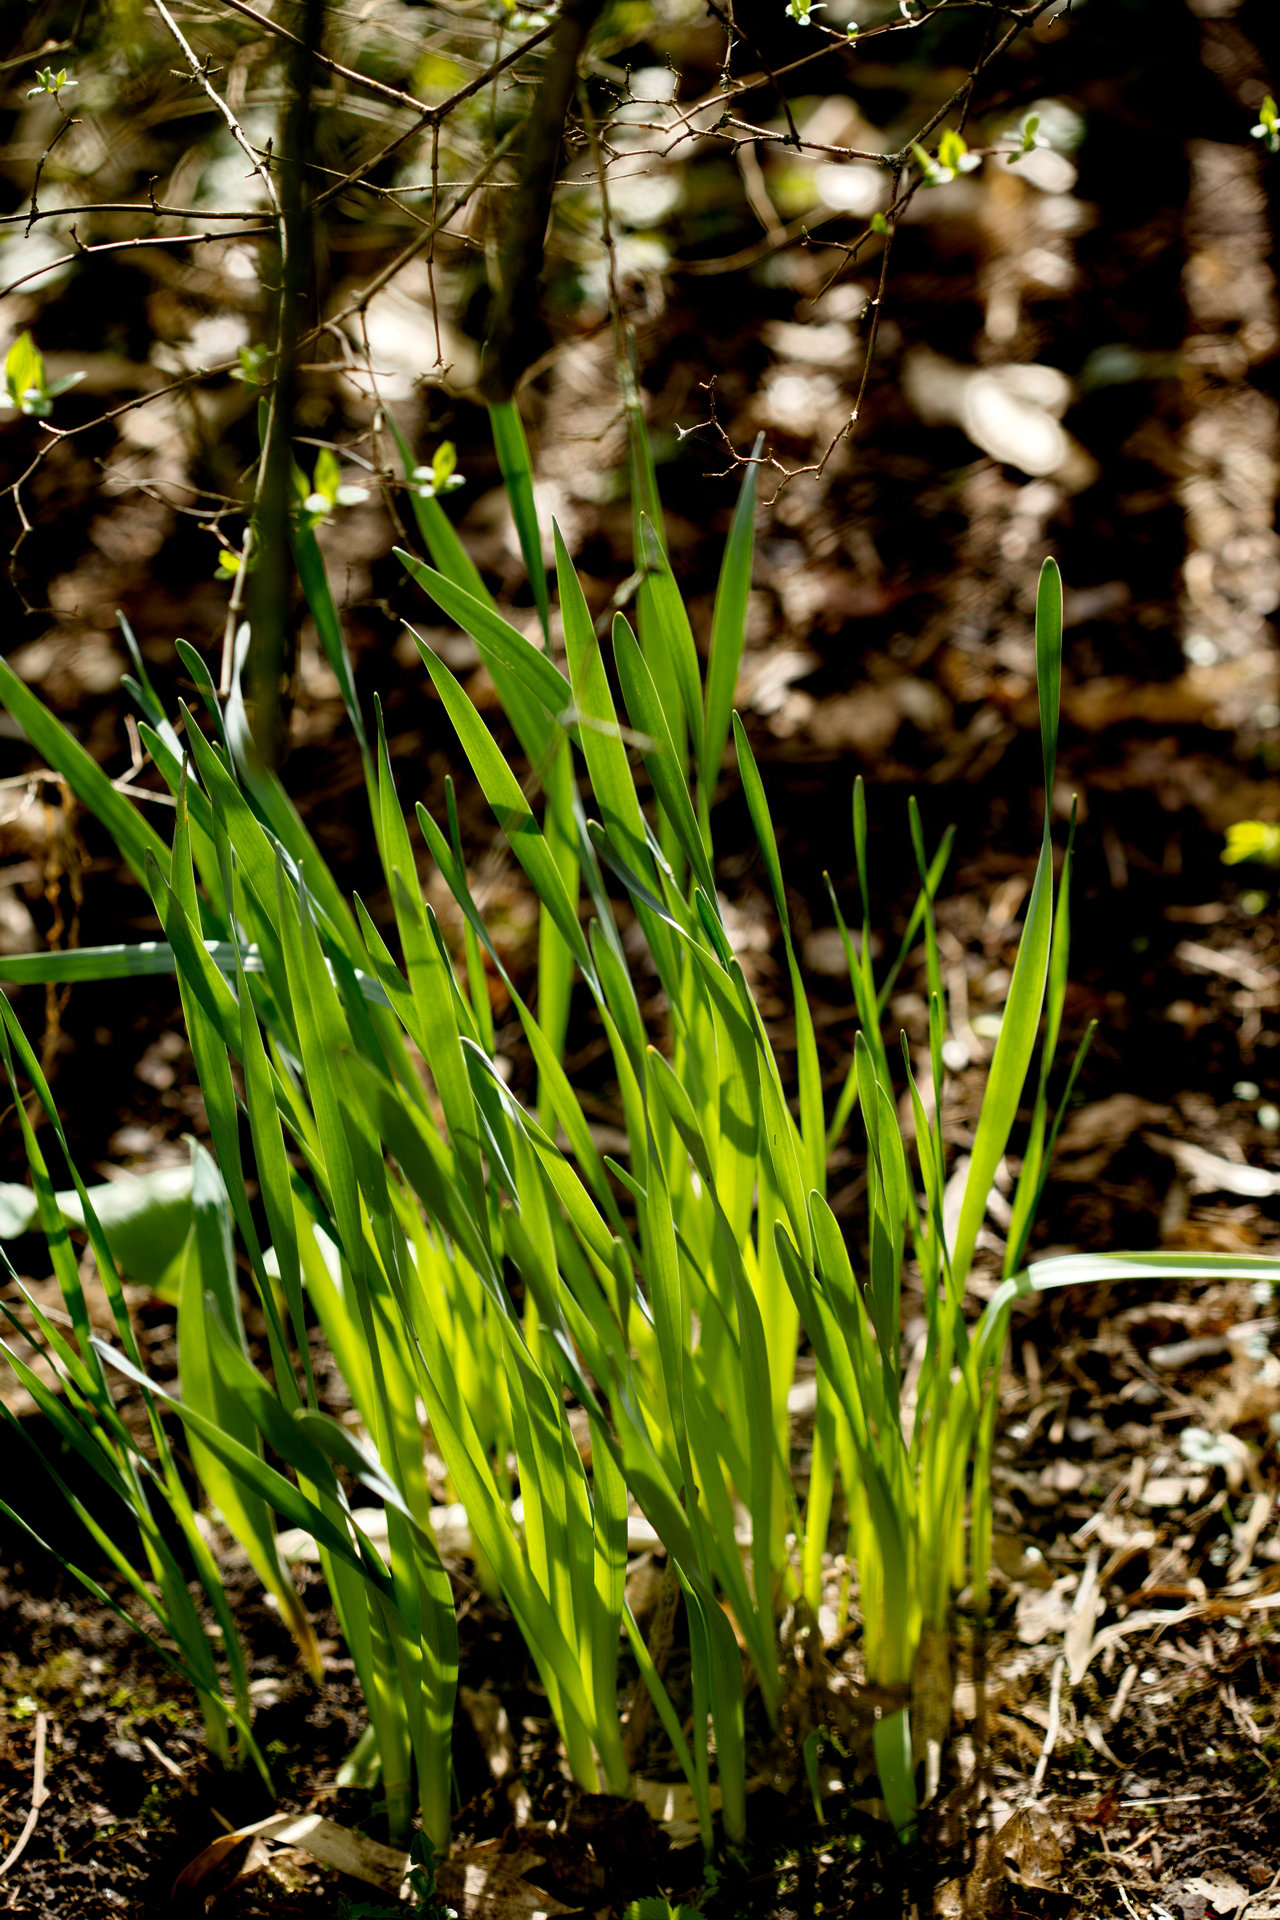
324,1840
1021,1561
1221,1889
1029,1847
489,1884
1026,1851
671,1804
949,1901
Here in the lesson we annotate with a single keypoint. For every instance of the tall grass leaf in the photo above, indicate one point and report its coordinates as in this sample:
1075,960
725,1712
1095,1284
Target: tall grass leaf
1049,669
134,836
600,733
933,964
502,790
209,1286
1102,1269
279,814
670,1310
494,1530
778,1133
319,597
559,933
533,691
209,1051
321,1035
218,913
723,1667
496,638
669,1718
645,497
272,1165
423,1157
758,808
671,636
258,1478
395,987
728,634
1031,1179
753,1359
645,712
74,964
256,1397
1016,1042
609,1511
641,895
51,1213
896,1767
255,852
1064,1105
512,449
808,1069
202,979
1009,1065
203,679
431,983
937,867
148,699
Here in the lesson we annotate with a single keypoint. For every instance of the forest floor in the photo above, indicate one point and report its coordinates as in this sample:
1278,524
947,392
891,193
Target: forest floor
1123,1756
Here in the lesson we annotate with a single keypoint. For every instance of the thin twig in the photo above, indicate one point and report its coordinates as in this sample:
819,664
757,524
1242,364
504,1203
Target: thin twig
128,206
726,19
83,251
237,132
1051,1731
39,1794
965,89
397,94
33,212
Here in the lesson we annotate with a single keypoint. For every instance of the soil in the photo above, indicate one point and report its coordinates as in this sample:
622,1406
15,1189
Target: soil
1117,1730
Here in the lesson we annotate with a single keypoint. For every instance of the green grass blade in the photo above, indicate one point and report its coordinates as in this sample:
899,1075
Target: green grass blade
600,734
1016,1043
728,635
669,644
260,1479
200,674
210,1288
533,691
61,751
512,449
1049,669
502,790
646,714
319,596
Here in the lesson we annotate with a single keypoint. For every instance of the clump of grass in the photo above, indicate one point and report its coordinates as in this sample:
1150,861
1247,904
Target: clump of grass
666,1287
